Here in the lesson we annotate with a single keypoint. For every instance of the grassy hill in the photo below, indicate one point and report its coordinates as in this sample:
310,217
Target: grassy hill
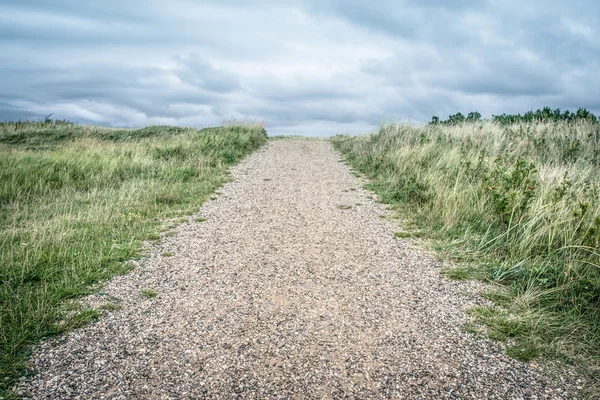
517,205
76,202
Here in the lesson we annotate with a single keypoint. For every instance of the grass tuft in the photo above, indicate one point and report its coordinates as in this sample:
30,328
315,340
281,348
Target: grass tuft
148,293
459,273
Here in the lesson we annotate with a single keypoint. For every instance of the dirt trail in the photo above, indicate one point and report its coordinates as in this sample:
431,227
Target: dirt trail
293,287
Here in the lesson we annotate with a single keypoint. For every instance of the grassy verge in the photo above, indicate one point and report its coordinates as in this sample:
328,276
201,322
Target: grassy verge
518,206
75,204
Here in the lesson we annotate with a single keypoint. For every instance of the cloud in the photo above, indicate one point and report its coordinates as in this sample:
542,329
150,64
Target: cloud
304,67
193,70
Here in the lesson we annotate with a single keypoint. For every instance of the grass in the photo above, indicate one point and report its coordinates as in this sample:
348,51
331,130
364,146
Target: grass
76,202
405,234
148,293
517,206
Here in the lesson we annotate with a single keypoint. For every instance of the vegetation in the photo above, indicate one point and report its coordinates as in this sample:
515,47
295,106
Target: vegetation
546,114
518,205
75,204
149,293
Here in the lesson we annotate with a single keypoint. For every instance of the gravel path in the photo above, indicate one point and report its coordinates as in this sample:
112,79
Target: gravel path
294,287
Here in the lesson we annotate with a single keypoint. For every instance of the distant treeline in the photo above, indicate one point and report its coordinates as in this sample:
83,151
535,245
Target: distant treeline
545,114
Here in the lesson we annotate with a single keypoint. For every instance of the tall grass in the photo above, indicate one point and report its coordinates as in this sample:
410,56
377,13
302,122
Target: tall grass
519,206
76,202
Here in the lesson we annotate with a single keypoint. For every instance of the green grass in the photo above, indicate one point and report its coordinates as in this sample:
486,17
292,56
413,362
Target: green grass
459,273
517,206
148,293
414,233
76,202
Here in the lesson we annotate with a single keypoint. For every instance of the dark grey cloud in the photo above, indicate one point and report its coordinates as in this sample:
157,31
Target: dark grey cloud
303,66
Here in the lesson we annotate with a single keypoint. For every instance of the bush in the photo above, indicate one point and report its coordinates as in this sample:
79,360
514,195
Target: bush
545,114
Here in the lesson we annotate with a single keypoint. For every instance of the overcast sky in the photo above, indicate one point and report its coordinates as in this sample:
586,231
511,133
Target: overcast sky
303,67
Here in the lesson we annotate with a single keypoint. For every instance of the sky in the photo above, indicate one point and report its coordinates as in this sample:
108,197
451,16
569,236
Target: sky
314,68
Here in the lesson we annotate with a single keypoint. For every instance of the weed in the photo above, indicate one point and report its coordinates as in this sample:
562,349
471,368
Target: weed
472,329
403,234
200,219
153,236
148,293
407,234
523,351
458,273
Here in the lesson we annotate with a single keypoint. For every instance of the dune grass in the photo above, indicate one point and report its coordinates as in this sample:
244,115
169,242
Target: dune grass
518,206
76,202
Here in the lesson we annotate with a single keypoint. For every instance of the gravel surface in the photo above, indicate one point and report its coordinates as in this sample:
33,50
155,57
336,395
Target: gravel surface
294,287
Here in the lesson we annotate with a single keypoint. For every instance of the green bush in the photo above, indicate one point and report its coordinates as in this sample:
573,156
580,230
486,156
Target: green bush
545,114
